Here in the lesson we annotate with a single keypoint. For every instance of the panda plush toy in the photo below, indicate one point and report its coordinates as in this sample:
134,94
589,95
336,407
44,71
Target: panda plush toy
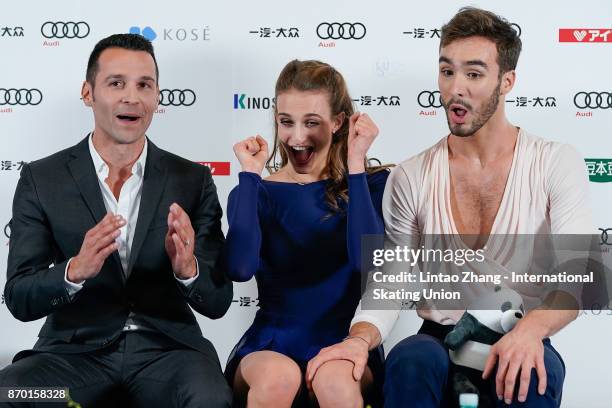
482,325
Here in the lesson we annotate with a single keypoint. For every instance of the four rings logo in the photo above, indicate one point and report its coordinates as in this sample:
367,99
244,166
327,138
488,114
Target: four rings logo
341,31
65,29
22,96
604,236
429,99
177,97
593,100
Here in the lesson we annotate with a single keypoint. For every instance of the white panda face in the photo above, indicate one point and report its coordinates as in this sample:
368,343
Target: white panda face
511,314
508,305
510,318
499,310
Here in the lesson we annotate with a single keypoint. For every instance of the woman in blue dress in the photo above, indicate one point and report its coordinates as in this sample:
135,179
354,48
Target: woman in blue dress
299,233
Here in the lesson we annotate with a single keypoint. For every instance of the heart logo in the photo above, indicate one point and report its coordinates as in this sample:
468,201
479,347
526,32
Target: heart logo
579,35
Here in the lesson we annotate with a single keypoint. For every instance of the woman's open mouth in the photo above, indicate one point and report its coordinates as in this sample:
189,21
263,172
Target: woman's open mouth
301,154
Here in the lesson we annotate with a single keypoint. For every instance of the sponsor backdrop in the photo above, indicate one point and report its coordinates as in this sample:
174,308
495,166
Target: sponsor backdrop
218,64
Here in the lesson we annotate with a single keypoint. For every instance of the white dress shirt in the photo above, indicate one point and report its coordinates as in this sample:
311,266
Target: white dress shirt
127,206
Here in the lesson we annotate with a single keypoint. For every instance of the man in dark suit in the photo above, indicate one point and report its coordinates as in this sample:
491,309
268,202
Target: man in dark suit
112,240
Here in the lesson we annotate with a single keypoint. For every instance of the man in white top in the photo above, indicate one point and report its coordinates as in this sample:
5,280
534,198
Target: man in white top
486,177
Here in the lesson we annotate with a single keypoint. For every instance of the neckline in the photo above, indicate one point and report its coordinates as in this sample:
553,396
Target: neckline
294,183
447,198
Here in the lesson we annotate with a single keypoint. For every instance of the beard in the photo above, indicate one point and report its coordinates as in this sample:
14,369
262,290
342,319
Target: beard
481,116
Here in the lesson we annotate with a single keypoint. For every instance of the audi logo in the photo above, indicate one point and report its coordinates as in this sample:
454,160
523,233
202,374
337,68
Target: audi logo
65,29
22,96
177,97
341,31
429,99
593,100
604,236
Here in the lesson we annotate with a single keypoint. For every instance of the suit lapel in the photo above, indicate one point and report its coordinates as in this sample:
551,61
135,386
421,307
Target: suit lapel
84,175
155,175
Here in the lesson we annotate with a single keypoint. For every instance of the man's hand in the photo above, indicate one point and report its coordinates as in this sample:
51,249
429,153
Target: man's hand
98,244
352,349
517,353
362,337
180,243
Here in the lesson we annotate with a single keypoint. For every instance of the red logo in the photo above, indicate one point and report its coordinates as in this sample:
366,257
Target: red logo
217,168
585,35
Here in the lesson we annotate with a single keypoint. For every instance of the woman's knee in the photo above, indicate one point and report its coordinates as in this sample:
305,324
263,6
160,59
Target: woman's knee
271,377
334,385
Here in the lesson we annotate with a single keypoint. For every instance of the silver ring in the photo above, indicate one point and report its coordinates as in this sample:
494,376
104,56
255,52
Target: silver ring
187,242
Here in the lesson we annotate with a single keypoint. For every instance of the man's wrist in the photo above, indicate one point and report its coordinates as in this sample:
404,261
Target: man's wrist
70,274
192,270
534,327
357,338
366,332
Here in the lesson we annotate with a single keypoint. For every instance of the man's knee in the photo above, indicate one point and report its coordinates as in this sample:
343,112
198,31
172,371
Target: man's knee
555,370
555,376
9,376
421,354
201,384
217,395
21,373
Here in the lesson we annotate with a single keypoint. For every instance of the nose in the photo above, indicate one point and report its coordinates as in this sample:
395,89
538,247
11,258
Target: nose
458,86
300,135
130,95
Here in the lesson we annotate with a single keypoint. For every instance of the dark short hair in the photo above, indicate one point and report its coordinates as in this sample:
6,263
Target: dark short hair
472,21
134,42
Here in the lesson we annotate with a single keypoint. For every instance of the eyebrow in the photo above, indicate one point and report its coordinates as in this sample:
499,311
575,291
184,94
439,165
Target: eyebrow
308,114
476,62
114,76
119,76
480,63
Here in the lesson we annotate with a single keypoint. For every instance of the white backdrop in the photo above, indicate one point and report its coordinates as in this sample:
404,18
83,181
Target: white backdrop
221,51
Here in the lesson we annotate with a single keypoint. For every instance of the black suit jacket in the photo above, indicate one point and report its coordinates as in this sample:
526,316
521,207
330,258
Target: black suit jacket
58,199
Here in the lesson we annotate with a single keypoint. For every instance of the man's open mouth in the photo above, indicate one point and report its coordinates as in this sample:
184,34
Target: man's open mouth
128,117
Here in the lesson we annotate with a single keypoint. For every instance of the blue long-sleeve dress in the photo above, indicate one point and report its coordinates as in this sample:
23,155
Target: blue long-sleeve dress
306,262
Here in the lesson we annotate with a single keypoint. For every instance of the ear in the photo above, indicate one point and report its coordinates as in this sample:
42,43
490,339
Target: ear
87,93
507,82
338,121
158,96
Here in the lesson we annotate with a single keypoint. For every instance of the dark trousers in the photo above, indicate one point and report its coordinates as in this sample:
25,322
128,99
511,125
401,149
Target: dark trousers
417,374
147,369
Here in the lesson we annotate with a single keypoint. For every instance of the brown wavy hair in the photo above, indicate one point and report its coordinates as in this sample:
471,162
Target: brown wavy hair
472,21
312,75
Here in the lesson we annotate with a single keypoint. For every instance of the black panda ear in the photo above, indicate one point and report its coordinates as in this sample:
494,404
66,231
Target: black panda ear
506,306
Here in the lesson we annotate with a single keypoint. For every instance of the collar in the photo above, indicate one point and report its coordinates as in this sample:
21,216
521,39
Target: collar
101,167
